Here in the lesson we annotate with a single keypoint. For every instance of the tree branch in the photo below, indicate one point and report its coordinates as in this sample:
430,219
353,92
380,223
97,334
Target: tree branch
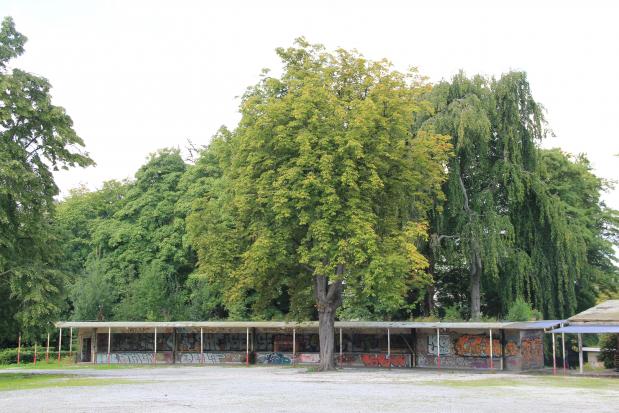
308,268
466,197
320,288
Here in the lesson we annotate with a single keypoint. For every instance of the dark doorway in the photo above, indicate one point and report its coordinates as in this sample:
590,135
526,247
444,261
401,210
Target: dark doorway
86,349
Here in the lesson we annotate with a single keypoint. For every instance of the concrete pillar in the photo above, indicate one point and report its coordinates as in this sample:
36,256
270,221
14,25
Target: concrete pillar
155,352
438,348
59,343
563,351
341,342
580,361
491,355
554,356
109,344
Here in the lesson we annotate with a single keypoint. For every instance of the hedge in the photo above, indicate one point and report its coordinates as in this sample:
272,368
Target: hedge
9,355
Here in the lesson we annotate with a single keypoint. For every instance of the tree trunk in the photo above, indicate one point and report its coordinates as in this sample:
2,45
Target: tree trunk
328,299
429,301
476,270
326,321
475,264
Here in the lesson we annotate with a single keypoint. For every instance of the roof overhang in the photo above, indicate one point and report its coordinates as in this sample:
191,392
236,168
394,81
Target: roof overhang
534,325
587,329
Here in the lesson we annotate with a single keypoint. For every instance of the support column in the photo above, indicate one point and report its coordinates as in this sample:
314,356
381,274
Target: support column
109,345
247,349
155,352
580,362
438,348
201,345
174,345
59,343
491,355
341,358
502,350
563,350
554,356
294,345
70,341
389,346
47,350
93,346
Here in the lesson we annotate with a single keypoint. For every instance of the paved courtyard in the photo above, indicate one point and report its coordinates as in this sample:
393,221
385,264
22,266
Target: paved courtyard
272,389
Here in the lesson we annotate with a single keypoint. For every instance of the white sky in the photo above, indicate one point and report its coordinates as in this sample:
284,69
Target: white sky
136,76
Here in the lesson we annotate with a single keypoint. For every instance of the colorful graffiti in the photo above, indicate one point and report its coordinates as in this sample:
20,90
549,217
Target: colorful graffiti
532,352
307,358
384,360
477,346
454,362
375,360
211,358
443,346
273,358
133,358
511,349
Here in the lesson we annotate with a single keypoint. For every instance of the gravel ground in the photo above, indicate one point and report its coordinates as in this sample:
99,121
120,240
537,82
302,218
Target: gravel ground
272,389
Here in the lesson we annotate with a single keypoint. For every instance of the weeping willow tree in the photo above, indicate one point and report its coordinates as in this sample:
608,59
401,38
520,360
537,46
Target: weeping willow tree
500,222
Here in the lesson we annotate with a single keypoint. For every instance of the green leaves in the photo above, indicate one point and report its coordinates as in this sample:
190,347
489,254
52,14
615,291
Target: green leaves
36,137
323,172
11,42
516,230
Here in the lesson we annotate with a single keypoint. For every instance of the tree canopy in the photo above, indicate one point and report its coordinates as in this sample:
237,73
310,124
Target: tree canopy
36,138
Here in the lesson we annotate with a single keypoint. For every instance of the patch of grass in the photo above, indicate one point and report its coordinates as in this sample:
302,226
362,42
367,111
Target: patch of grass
570,382
24,381
69,365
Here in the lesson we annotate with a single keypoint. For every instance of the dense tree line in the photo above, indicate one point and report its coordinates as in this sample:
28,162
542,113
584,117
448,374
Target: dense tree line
347,190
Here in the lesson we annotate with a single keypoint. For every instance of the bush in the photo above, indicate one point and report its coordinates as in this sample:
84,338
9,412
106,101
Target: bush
9,355
608,347
452,313
520,310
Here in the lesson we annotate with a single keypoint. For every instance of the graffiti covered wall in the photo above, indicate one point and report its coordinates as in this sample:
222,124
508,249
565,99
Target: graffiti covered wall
374,360
477,346
134,357
519,350
457,350
273,358
532,350
211,358
441,345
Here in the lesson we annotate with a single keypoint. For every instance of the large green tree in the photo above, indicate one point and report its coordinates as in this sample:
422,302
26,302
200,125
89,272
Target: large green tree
36,138
326,187
572,184
132,234
501,220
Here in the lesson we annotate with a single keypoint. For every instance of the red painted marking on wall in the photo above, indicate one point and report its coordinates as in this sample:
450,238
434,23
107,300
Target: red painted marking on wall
477,346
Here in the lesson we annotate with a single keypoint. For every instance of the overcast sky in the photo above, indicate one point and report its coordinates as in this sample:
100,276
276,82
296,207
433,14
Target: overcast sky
136,76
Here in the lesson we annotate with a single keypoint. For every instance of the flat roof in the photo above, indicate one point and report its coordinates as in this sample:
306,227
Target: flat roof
533,325
606,312
587,329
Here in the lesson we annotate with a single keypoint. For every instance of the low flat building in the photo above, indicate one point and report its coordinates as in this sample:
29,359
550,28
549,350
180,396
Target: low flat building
458,345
